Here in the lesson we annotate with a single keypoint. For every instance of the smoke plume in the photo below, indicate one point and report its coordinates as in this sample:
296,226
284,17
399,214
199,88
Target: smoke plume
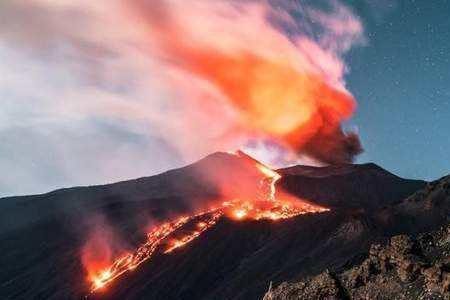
290,90
192,76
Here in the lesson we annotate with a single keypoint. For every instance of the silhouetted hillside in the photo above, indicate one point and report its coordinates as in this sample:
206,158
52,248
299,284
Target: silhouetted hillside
42,234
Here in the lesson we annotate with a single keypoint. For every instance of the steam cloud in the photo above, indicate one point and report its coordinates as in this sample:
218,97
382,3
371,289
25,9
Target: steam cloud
192,76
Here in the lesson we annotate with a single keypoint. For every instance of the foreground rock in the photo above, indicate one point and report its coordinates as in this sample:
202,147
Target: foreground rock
402,267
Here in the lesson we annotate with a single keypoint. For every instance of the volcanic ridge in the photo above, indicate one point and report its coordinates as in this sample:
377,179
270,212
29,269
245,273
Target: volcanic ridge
227,227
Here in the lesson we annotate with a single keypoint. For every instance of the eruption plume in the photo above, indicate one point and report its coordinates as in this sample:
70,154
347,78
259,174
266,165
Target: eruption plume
176,79
275,87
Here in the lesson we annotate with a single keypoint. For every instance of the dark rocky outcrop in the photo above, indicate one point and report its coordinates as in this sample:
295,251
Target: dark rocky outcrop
404,268
414,266
365,186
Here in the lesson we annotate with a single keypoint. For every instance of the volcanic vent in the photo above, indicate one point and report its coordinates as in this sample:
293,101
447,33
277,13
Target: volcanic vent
259,202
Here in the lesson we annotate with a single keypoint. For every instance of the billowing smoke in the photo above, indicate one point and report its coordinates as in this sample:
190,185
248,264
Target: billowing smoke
290,90
192,76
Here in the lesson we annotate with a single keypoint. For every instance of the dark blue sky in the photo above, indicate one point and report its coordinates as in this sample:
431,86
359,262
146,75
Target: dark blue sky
401,80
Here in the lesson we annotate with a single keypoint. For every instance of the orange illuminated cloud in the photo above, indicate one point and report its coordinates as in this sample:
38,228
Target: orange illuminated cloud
291,93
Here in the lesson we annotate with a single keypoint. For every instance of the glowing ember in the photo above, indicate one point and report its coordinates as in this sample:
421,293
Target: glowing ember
165,238
194,234
269,173
268,209
240,213
201,224
272,176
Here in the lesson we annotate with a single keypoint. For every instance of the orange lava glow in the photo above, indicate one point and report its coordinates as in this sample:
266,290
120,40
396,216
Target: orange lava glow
269,173
165,238
240,213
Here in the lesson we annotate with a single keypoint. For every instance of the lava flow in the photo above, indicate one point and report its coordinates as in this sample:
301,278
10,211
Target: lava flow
175,234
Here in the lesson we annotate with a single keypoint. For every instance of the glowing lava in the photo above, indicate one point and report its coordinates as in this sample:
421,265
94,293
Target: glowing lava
167,238
240,213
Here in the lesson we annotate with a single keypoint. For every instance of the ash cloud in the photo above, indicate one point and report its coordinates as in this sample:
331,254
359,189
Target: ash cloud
74,66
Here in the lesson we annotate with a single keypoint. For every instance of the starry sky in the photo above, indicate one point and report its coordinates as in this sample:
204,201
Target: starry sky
75,109
401,80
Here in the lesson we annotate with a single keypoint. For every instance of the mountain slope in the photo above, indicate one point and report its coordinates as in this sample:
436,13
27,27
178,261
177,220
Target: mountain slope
42,235
366,186
238,260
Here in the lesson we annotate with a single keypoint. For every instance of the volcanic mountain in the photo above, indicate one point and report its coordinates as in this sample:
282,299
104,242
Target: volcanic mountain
333,217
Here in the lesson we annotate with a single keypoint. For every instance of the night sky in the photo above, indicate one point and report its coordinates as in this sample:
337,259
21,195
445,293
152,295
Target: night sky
77,106
401,80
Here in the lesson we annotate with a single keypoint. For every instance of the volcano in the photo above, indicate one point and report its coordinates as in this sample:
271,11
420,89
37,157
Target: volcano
205,241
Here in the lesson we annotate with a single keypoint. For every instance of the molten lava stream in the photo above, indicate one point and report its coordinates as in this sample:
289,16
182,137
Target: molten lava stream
155,239
167,238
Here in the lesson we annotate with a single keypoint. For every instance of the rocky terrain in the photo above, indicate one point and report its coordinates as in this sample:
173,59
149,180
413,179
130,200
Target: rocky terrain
330,254
401,267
